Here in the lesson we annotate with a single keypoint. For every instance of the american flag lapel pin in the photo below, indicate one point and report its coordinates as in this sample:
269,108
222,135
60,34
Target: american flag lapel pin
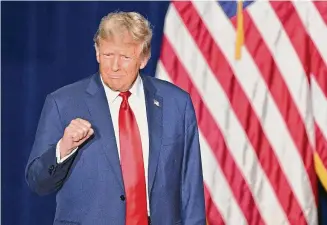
156,102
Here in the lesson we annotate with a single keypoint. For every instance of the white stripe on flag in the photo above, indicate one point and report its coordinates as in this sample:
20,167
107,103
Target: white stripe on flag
218,104
213,176
296,80
314,24
319,102
250,78
282,51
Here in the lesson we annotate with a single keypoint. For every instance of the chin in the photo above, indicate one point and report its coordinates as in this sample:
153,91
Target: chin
116,87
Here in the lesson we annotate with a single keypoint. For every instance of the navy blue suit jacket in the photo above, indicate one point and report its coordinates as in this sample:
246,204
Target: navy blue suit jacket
89,186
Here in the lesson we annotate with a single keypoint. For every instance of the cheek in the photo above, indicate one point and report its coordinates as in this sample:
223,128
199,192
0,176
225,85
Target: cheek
126,65
129,67
105,64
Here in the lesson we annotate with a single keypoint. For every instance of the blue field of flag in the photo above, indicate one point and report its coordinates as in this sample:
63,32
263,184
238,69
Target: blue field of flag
230,7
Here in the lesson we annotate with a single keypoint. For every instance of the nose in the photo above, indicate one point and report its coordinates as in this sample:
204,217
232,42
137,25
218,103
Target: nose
115,64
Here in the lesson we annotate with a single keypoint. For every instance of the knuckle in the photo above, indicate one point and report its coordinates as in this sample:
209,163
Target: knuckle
80,120
75,121
68,131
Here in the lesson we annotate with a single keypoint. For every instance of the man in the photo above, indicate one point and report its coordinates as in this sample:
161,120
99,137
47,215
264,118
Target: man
118,147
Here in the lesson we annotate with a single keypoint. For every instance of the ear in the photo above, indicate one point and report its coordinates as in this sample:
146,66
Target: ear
97,53
144,61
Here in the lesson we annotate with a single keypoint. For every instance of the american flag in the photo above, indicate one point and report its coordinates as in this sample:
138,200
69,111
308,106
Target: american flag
263,116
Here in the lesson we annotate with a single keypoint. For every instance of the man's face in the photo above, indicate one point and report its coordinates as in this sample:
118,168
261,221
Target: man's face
119,61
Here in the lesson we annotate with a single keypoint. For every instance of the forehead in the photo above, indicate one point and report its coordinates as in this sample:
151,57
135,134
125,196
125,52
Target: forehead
120,41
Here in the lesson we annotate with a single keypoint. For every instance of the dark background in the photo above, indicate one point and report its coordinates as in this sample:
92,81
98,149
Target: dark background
46,45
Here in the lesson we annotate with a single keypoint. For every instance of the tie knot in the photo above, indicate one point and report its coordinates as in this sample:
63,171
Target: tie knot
125,95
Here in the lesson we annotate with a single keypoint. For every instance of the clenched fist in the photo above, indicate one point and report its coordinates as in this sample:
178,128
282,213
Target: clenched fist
75,134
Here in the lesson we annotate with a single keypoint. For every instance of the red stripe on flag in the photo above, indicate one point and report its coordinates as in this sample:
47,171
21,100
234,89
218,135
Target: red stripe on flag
270,73
287,15
243,109
305,48
302,43
318,68
322,9
212,134
213,216
319,71
321,144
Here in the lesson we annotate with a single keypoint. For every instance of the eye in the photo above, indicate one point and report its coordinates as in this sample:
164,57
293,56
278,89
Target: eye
125,57
107,55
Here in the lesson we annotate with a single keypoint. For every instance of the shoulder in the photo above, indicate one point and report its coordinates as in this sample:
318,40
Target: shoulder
168,90
72,90
69,100
177,103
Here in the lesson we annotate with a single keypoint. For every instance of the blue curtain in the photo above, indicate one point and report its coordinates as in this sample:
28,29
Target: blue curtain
46,45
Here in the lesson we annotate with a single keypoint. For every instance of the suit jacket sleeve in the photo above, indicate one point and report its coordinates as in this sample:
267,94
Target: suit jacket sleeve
193,205
43,174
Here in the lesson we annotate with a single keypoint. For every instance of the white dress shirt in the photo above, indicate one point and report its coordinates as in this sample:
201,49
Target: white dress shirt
137,103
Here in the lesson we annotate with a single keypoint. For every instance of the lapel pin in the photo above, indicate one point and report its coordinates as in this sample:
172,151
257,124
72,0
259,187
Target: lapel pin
156,103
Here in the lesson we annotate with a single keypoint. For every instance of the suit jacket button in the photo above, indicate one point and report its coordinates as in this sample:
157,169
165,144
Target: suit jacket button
50,170
122,197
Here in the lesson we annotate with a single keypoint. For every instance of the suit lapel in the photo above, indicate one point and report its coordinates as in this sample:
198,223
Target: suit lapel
154,104
102,124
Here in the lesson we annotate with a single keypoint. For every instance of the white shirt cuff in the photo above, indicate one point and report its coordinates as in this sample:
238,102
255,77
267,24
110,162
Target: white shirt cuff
59,160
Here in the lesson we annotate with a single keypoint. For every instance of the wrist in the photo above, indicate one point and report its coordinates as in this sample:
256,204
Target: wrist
64,150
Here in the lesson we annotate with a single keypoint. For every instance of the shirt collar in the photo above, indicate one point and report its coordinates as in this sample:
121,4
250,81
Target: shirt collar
135,89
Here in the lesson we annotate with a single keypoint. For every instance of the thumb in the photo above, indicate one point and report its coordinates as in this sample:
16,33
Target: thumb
78,143
89,134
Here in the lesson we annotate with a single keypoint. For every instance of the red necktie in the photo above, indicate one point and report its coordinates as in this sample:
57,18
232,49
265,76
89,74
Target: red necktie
131,159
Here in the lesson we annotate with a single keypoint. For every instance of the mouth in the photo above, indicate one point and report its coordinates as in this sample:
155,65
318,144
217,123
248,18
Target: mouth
114,76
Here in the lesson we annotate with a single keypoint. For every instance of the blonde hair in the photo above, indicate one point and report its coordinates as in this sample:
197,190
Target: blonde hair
132,22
